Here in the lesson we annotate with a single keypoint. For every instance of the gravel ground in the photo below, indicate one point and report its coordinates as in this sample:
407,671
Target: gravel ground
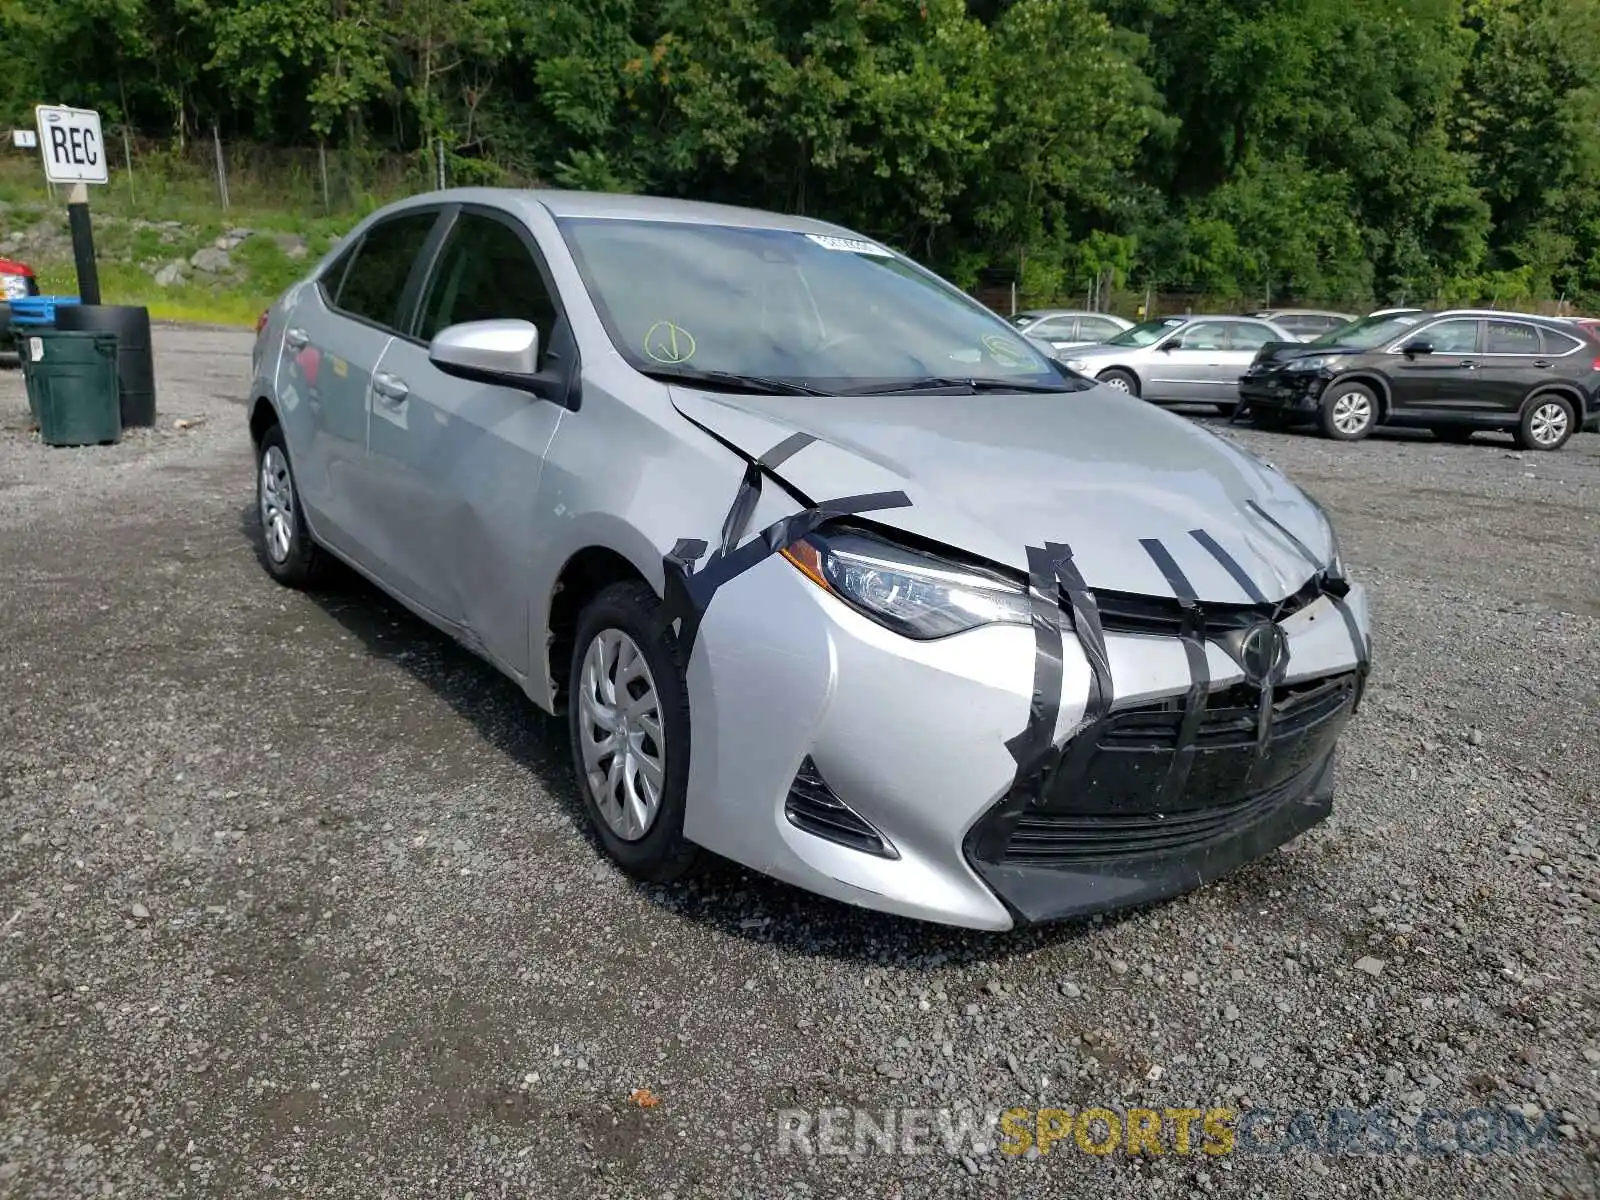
295,898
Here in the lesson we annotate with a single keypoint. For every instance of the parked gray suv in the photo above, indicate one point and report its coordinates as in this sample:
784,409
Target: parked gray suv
831,571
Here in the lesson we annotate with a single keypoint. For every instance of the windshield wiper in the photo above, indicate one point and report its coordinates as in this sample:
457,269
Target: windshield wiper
939,382
730,379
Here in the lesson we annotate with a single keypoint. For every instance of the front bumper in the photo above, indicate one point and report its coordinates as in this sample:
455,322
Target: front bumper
788,683
1289,390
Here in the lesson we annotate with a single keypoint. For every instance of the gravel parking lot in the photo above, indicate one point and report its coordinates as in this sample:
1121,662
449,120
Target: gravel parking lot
296,899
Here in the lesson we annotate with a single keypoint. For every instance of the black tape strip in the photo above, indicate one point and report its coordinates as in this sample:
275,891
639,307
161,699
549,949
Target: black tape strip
744,503
1301,548
1085,614
1230,565
1030,747
688,593
1192,632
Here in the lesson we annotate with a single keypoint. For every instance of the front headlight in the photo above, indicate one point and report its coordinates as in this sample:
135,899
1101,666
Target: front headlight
914,594
1316,362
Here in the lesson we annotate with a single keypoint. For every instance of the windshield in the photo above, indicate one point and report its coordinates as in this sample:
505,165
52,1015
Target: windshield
1145,333
818,313
1368,332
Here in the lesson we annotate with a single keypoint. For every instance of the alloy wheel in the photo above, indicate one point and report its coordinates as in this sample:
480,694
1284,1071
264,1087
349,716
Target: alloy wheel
1352,412
1548,425
624,751
277,504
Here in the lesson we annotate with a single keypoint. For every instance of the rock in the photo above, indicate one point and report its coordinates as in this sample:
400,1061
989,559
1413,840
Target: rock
1070,990
1474,736
1230,1013
139,912
211,260
1591,1055
292,244
1118,967
1372,966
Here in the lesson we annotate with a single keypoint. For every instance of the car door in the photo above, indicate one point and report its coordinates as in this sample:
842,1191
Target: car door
460,460
333,338
1184,366
1094,330
1513,364
1245,339
1436,382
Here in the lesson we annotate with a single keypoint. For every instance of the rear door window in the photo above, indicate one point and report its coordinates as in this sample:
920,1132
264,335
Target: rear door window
1247,335
1510,337
374,286
1054,327
1097,328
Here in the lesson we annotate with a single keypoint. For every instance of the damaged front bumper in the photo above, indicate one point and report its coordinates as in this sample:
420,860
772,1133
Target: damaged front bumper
859,764
1294,391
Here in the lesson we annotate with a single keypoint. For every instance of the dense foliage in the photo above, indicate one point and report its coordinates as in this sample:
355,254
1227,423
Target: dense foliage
1339,149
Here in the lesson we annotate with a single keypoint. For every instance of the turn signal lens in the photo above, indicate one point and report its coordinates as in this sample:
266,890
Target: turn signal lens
261,322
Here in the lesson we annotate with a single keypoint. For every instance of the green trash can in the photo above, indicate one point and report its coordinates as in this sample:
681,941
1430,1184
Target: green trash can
71,379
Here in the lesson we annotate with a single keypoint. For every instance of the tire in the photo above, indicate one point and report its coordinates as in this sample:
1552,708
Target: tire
1120,380
1453,433
287,551
625,615
1349,412
1547,422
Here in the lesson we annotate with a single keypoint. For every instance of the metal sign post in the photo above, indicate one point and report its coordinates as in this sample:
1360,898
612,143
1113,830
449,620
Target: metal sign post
74,152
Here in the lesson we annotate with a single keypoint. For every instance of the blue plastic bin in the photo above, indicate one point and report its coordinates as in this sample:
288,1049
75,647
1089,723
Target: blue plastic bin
33,312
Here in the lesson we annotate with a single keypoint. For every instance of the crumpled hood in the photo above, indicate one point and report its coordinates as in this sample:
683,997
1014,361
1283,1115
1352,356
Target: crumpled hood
992,475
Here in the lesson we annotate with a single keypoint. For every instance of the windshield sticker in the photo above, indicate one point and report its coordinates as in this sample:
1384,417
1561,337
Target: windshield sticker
668,343
1005,351
849,245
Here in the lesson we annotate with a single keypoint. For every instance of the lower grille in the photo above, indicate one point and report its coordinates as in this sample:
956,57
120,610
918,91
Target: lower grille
1059,838
813,807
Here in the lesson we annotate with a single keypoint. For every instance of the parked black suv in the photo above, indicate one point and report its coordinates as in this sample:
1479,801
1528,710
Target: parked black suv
1452,372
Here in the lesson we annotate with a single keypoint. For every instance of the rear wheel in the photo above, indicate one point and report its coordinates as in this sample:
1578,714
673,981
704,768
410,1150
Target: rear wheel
1120,381
1349,412
286,546
1546,424
629,722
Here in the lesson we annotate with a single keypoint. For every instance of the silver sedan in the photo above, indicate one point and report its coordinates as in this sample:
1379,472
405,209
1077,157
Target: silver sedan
1191,360
830,571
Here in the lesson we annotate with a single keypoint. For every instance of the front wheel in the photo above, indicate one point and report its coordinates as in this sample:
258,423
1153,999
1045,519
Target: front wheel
628,715
1119,381
1546,424
1349,412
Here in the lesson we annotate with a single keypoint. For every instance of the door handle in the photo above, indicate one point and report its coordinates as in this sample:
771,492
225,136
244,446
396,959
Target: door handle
1542,364
296,339
390,387
1467,364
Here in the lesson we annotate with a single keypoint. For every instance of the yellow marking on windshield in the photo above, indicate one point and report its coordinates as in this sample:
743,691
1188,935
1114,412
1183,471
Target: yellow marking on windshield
668,343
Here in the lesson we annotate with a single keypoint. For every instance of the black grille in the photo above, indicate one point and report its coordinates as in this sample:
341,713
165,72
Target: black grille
813,807
1060,838
1123,612
1127,788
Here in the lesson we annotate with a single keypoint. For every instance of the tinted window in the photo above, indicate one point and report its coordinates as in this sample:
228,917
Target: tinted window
1146,333
1559,343
1245,335
484,273
1451,337
1510,337
376,281
330,279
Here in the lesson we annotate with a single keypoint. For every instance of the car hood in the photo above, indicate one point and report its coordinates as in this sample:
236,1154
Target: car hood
994,474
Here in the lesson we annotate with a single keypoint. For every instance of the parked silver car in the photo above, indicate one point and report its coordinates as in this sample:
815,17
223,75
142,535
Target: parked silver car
1185,359
1305,323
1063,328
832,573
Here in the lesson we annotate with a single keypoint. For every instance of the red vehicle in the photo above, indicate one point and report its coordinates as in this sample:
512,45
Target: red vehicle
16,281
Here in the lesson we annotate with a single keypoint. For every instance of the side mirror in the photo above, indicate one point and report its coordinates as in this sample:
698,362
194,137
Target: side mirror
1174,344
504,352
1411,349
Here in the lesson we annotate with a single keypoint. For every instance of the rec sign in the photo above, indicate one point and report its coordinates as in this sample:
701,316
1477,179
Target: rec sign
71,145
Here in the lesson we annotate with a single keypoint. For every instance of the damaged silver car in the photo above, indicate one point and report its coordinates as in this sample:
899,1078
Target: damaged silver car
831,571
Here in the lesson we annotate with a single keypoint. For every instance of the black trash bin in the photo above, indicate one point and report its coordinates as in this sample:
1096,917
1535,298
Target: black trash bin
136,368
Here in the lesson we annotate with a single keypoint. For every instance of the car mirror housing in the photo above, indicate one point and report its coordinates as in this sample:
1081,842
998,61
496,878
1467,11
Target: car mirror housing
1411,349
504,352
1170,346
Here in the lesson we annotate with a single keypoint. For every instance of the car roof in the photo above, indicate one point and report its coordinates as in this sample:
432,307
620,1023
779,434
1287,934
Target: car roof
606,205
1270,313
